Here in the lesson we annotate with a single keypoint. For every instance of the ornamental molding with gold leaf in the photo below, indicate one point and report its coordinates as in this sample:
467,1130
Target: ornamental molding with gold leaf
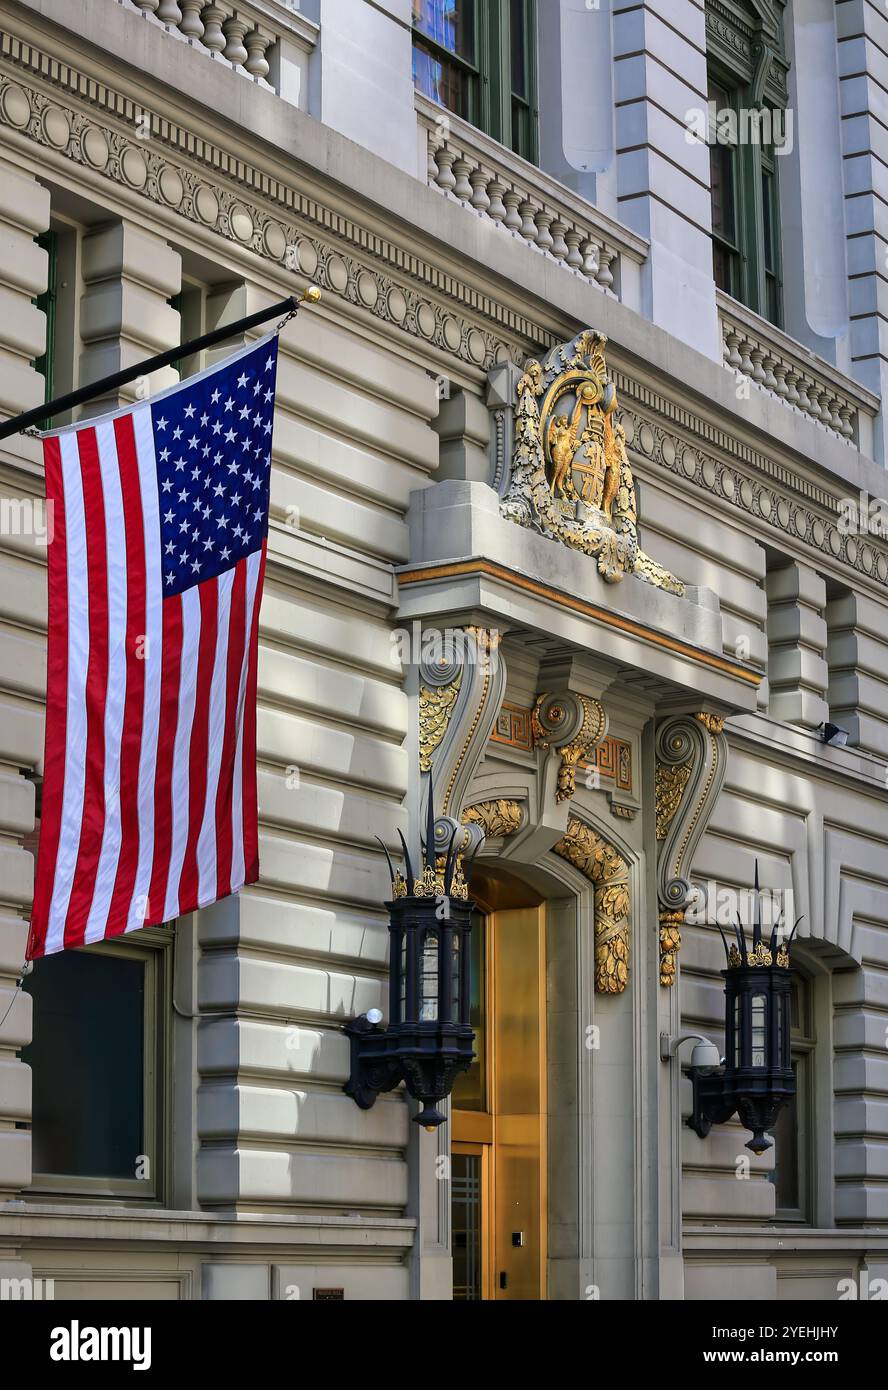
570,474
604,866
572,725
499,817
435,709
691,762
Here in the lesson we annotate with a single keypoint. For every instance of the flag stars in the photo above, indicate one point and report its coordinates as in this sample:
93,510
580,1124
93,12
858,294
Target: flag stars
223,444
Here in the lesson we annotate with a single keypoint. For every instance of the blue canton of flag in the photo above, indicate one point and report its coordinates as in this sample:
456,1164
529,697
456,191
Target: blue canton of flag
212,443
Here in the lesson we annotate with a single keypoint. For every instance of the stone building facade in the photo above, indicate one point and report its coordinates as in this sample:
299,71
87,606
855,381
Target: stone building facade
499,206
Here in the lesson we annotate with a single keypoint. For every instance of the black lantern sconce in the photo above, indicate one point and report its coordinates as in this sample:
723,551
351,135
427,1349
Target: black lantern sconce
756,1077
429,1040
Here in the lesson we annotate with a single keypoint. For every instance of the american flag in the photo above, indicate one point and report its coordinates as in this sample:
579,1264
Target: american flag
160,519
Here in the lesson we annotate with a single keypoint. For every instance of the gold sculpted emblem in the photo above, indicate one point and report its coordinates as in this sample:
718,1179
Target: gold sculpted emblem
571,478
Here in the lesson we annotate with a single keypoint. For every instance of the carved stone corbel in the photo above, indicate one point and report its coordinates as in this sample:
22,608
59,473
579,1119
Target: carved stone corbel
606,868
461,689
571,725
692,756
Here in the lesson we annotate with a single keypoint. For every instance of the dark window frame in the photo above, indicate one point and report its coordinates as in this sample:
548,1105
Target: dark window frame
493,104
154,947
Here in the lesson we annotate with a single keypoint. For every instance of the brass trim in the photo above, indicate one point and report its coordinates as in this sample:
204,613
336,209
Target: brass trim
454,569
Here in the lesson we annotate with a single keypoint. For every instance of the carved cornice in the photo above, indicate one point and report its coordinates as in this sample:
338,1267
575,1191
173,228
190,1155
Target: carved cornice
209,185
691,753
772,495
205,183
606,868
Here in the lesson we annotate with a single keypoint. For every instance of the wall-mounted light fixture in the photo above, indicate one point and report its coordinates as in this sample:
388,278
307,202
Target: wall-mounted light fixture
428,1041
755,1078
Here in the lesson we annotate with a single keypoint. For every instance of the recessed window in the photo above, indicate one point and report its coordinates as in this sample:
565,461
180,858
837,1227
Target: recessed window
97,1058
746,130
477,58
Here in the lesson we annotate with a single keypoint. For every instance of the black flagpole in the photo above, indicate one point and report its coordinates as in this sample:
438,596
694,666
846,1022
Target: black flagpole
288,307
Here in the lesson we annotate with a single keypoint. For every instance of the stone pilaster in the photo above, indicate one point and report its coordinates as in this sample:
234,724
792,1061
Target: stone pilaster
129,277
663,175
857,656
862,39
24,213
798,675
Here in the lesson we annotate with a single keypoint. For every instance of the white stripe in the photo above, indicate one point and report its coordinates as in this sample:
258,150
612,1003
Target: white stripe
115,696
206,840
75,728
238,870
141,911
182,746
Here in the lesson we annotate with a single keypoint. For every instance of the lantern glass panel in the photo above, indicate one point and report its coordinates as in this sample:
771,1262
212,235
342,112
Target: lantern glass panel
403,982
737,1058
455,943
759,1030
428,987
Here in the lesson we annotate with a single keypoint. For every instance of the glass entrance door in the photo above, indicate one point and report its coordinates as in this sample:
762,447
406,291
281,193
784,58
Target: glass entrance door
498,1115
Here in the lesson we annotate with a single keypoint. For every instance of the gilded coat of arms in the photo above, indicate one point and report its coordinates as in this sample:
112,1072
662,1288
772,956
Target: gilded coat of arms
571,478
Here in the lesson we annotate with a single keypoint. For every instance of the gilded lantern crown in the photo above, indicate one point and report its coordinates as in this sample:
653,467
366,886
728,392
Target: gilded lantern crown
773,952
442,876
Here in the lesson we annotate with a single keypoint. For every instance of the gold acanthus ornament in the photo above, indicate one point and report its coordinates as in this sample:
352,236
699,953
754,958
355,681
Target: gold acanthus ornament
669,786
571,478
496,818
608,871
435,708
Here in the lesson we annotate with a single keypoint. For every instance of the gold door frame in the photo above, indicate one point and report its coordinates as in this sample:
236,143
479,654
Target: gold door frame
506,1139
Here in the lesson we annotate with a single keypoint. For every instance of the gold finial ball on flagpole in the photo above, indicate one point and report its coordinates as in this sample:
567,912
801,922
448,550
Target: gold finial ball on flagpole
312,295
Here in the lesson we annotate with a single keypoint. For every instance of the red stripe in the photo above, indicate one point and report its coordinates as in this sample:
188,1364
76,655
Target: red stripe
119,909
250,802
92,823
166,739
198,750
56,699
237,637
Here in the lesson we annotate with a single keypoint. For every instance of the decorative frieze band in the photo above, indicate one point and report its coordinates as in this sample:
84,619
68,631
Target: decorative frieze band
170,182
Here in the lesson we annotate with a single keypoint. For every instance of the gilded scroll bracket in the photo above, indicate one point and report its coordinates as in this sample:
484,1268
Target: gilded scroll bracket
691,754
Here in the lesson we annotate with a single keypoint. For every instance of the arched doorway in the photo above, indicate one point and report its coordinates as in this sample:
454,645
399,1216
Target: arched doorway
498,1108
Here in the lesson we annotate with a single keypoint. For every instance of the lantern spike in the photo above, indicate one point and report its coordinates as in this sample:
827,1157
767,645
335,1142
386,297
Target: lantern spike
724,942
741,941
794,929
431,857
408,867
450,863
388,859
756,911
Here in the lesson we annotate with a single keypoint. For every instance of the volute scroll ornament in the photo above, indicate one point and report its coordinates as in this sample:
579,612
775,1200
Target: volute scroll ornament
571,478
573,725
692,755
461,689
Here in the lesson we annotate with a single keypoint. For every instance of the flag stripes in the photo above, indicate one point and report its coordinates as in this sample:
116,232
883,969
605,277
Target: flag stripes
149,795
